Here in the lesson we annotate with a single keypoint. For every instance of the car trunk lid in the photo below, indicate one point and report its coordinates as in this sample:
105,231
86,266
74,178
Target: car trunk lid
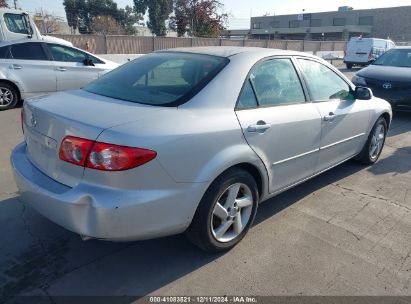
47,120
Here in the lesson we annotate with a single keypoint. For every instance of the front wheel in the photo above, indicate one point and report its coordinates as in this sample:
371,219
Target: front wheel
375,143
226,212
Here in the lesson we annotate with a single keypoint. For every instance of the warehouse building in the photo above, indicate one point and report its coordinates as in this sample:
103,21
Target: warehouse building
392,22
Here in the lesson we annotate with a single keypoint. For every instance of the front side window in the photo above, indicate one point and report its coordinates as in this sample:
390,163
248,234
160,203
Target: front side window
159,79
28,51
323,83
276,82
68,54
15,23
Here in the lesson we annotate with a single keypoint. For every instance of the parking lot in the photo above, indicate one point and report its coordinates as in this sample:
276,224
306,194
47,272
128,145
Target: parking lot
346,232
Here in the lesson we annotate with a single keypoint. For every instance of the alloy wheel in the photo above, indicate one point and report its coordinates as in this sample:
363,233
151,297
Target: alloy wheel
232,212
6,97
377,141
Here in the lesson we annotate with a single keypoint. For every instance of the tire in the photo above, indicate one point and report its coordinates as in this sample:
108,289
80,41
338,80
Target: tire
372,149
349,66
211,229
9,96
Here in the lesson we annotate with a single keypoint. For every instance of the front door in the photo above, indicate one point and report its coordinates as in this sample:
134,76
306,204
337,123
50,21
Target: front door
344,119
278,123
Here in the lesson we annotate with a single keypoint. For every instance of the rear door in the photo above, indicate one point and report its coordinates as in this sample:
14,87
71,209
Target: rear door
71,71
358,50
278,123
30,66
344,120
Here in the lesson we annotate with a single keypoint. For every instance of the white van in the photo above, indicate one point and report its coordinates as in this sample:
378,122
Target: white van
363,51
17,24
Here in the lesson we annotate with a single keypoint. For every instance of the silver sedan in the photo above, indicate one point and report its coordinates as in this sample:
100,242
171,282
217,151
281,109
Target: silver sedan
191,140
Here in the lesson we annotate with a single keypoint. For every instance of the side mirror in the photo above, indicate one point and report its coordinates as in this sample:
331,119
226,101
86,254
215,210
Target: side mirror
88,62
362,93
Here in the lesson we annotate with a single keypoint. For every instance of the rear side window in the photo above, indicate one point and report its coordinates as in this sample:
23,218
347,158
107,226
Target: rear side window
15,23
247,98
276,83
161,79
28,51
4,52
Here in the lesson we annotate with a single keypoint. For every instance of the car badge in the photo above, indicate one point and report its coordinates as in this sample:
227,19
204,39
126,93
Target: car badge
387,86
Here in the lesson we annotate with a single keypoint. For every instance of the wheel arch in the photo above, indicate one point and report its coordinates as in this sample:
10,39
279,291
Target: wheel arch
387,118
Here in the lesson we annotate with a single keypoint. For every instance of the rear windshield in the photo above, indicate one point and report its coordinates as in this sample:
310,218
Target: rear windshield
159,79
395,58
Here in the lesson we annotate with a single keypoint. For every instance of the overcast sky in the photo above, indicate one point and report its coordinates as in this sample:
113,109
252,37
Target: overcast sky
241,10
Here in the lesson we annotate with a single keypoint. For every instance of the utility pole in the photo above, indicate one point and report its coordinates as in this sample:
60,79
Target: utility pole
15,4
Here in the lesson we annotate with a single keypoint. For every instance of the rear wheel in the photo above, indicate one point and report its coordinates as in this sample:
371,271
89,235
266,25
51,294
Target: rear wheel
9,97
226,212
375,143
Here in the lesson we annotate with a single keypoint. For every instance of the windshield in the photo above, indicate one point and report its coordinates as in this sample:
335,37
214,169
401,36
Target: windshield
395,58
159,79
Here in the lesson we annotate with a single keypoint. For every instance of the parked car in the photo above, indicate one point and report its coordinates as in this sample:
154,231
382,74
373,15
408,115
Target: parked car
191,140
35,67
389,77
363,51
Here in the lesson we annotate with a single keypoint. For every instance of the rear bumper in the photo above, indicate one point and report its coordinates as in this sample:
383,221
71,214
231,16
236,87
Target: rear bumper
106,213
357,62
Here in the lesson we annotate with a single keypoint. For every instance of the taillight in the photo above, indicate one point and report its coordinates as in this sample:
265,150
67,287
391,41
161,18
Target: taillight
75,150
103,156
22,119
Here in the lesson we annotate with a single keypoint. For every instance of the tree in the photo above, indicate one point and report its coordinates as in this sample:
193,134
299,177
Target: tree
203,18
82,14
158,12
105,25
3,3
47,23
75,10
128,18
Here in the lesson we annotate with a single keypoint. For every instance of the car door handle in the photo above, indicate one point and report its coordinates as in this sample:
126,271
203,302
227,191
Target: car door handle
330,117
16,67
61,69
260,127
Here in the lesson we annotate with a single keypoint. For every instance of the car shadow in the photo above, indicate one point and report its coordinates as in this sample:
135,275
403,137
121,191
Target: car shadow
401,123
54,260
394,163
